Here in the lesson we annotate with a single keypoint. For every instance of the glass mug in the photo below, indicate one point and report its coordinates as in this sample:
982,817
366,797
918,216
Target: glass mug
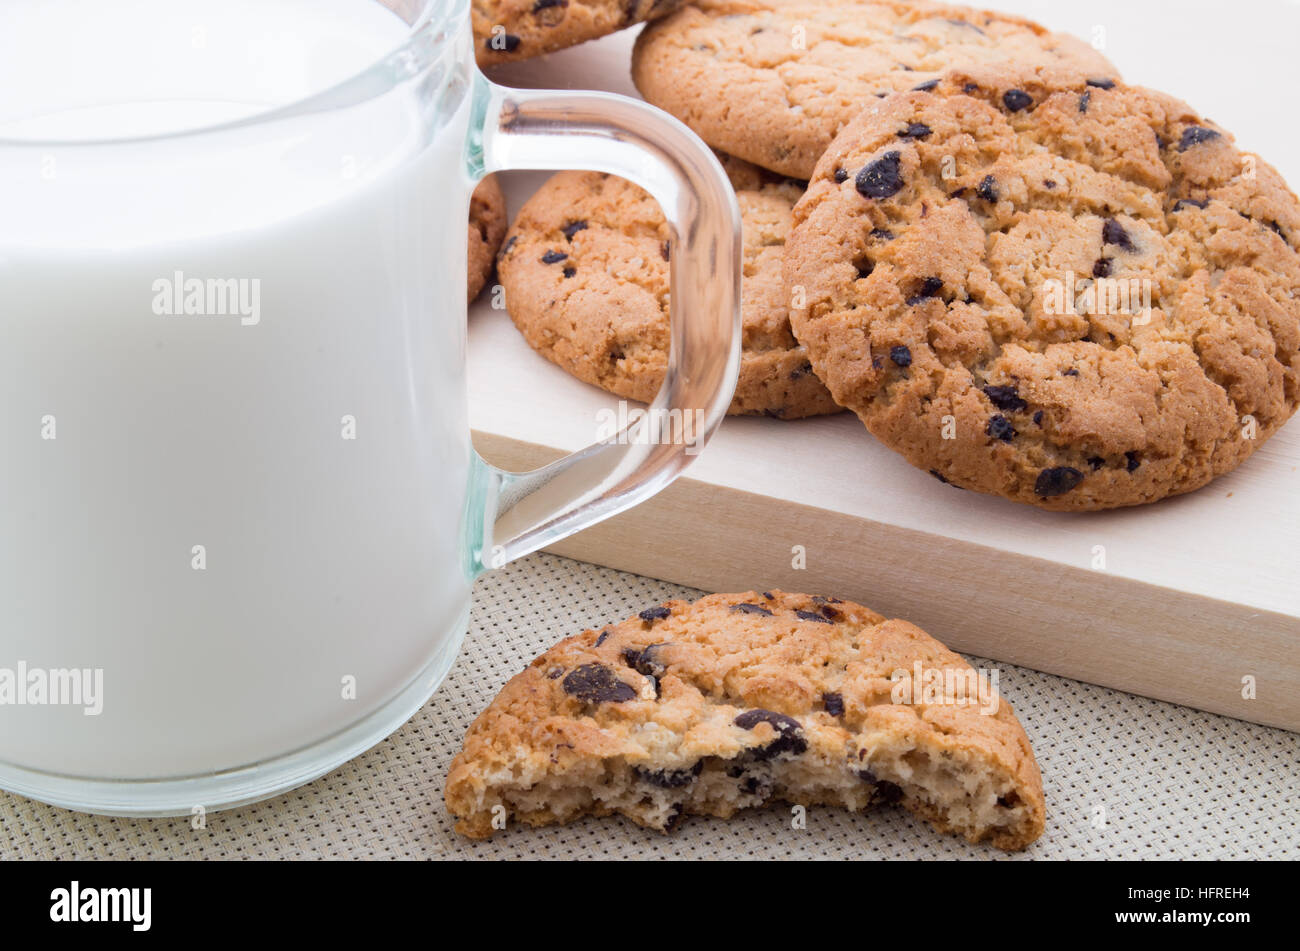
241,511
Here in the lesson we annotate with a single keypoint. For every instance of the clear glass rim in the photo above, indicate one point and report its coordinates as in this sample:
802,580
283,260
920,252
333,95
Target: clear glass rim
384,74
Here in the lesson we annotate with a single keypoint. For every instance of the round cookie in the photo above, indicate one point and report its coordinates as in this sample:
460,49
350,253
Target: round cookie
773,81
508,30
487,228
738,700
1071,293
585,270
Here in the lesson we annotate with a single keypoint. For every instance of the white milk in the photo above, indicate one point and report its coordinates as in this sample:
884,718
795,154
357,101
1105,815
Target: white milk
324,560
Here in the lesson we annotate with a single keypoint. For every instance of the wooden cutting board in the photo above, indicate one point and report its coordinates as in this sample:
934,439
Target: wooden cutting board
1195,600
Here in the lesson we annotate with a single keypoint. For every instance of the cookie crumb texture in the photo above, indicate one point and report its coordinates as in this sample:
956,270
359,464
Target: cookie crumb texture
487,229
773,81
508,30
1007,231
586,274
737,701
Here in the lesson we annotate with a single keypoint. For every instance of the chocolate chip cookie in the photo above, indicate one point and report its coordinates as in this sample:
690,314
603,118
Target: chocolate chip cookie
772,81
735,701
507,30
585,270
487,228
1067,291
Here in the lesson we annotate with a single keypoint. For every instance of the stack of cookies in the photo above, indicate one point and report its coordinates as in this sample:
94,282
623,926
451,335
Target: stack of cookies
1027,277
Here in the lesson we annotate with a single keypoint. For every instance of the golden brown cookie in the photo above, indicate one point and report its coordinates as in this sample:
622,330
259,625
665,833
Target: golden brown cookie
773,81
585,271
1069,292
738,700
487,228
507,30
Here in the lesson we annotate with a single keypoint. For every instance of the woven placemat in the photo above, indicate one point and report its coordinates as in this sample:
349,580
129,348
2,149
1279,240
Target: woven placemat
1125,777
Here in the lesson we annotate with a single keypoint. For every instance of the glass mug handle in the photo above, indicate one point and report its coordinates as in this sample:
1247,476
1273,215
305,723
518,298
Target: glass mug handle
602,132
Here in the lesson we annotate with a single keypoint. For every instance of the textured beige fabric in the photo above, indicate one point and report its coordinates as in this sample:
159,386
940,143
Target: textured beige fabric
1124,777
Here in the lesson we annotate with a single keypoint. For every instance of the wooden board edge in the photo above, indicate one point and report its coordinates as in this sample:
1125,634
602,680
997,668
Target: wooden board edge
1073,622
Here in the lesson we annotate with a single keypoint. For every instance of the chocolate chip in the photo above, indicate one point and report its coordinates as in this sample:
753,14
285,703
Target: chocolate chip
811,616
829,612
596,683
1000,428
541,5
768,595
959,192
1112,232
1190,203
650,615
988,190
1070,372
604,636
554,672
929,288
789,737
882,178
840,175
1133,459
901,356
1195,135
1049,184
553,257
1102,83
834,704
756,787
1006,398
1102,268
1038,418
883,234
570,271
970,88
1058,481
647,661
669,778
1084,101
1096,462
572,228
887,792
503,42
751,609
507,246
928,86
674,818
917,130
1017,99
